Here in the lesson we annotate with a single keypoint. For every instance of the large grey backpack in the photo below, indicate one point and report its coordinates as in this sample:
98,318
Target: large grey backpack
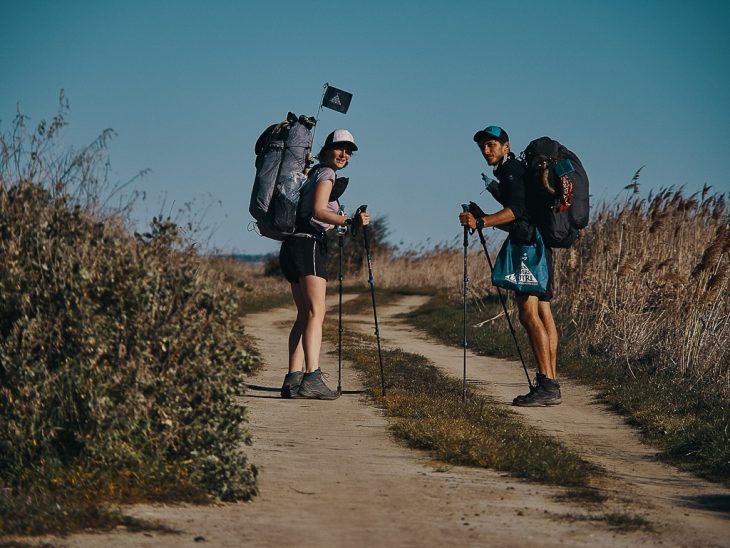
282,155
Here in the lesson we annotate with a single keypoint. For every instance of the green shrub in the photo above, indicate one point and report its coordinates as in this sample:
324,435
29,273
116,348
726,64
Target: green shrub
121,355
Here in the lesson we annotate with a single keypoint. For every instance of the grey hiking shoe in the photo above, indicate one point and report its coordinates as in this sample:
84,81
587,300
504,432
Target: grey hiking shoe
546,392
292,381
313,387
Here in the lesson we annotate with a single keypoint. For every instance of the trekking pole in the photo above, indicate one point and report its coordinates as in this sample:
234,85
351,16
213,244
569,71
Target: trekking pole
504,306
371,281
340,243
466,283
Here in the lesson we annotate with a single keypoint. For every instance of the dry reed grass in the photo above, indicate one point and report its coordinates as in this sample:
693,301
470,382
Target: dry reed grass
440,268
256,289
646,282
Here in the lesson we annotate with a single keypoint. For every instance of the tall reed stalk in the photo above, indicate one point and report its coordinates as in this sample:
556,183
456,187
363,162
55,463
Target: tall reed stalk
648,281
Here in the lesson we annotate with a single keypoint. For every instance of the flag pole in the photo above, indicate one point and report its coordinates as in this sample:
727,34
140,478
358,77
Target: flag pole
321,102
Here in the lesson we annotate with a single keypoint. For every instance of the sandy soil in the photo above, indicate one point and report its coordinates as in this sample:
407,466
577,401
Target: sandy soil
331,475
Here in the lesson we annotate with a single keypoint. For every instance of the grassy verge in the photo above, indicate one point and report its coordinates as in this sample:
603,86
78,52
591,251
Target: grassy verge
688,421
363,304
428,413
444,321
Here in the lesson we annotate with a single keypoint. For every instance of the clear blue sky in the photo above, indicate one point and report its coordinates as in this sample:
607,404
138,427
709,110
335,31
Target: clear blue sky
188,87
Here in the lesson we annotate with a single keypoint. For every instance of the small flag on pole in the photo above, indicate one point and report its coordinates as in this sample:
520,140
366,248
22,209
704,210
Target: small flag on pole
336,99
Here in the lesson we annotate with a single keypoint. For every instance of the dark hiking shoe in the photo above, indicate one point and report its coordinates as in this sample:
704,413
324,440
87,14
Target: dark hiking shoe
544,394
535,385
313,387
519,399
292,381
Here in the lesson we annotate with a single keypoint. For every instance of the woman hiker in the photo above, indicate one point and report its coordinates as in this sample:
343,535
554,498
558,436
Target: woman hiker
303,259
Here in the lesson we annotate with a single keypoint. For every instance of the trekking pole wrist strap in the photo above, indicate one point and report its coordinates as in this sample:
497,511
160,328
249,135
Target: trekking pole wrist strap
480,222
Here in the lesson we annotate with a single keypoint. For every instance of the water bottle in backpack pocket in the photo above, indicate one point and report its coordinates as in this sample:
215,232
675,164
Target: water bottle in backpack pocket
282,156
285,202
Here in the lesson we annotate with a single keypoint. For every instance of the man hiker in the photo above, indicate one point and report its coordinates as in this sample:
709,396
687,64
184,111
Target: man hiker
534,310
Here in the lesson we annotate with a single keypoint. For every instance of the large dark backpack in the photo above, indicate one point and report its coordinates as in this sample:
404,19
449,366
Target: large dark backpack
282,156
560,183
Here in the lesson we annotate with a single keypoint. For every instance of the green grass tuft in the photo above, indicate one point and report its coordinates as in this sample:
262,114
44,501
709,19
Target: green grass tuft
429,414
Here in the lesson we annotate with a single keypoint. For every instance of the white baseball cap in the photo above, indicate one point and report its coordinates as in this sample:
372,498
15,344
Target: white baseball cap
339,136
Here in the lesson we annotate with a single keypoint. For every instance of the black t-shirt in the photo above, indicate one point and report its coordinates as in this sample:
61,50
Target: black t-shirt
511,176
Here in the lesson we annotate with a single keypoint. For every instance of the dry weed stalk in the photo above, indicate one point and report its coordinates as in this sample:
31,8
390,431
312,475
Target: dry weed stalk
439,268
653,283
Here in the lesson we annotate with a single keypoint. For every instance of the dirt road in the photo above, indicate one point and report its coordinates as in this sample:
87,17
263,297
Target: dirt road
331,475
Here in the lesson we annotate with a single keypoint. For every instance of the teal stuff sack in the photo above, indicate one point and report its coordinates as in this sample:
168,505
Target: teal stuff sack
522,268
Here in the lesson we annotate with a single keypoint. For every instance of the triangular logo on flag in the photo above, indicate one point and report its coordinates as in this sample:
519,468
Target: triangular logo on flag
336,99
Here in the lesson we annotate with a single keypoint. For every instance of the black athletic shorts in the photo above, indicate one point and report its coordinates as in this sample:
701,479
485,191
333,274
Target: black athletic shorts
303,256
548,295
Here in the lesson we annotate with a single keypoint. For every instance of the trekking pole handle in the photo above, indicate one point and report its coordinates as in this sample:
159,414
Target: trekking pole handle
465,209
355,221
341,229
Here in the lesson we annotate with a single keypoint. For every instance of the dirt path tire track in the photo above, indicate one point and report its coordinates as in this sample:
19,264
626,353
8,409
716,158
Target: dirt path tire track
684,509
368,490
332,475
